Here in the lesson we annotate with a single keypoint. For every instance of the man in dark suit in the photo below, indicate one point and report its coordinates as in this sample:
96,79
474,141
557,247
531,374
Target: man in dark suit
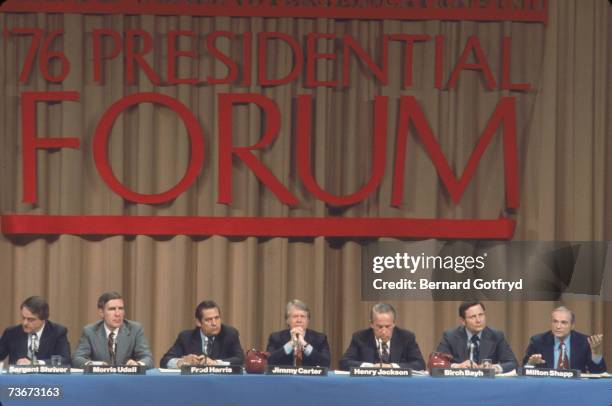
298,344
210,343
113,340
36,338
473,341
383,344
563,348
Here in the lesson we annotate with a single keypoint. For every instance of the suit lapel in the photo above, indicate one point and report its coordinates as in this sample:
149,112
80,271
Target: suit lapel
45,338
195,344
396,348
549,351
372,345
102,342
574,351
123,338
462,350
215,351
486,345
21,348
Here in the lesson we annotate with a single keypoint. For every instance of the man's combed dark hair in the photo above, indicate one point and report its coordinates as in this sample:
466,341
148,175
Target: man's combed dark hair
37,306
107,297
206,304
466,305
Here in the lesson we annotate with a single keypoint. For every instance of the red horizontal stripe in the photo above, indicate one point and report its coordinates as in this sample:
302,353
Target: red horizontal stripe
386,12
19,224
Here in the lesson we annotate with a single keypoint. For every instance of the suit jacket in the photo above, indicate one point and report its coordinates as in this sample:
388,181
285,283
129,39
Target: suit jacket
580,352
53,341
225,347
493,345
131,344
318,357
404,350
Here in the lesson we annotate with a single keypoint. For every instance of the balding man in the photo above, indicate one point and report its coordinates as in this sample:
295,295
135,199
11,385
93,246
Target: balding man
563,348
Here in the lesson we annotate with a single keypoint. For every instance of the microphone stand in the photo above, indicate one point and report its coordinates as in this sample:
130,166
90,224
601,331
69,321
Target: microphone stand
471,355
379,347
33,348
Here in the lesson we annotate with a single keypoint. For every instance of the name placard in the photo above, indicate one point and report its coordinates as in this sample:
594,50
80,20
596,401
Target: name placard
38,369
549,373
384,372
291,370
119,369
462,373
211,370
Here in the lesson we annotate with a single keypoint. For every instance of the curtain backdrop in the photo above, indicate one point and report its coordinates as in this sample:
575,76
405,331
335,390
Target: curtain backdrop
563,134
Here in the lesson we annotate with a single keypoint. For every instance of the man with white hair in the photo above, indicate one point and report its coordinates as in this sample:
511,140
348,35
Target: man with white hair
298,345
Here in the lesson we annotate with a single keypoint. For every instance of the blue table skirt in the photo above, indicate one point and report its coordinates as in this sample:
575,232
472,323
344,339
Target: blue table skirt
158,388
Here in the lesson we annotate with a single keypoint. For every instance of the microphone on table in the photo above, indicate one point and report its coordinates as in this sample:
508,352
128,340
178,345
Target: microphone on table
471,354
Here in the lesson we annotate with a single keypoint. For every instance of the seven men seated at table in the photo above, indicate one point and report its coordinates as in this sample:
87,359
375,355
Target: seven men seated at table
36,338
383,344
116,341
474,338
298,345
210,343
563,348
113,340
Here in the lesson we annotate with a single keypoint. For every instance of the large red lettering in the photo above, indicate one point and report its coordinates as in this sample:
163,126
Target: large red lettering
98,57
196,138
31,142
298,58
505,112
227,149
131,56
481,64
303,153
174,54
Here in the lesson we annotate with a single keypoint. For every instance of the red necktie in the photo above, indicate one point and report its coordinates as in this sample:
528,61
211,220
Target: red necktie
562,363
298,355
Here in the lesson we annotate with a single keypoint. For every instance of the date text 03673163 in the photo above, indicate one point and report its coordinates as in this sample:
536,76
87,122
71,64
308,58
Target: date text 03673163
30,392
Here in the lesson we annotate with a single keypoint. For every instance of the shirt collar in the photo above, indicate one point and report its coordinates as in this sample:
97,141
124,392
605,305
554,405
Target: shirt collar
379,342
108,330
39,332
566,341
470,335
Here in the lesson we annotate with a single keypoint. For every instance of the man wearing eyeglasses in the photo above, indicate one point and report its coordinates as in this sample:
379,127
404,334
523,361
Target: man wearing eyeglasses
298,345
474,341
210,343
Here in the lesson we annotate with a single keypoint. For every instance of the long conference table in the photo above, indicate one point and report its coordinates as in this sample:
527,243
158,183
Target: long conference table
162,388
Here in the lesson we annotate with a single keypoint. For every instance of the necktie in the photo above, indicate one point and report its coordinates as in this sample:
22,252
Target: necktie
475,340
298,355
111,347
384,352
209,345
562,363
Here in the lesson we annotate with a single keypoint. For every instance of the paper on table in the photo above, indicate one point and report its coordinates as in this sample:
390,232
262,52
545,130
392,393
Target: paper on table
169,370
602,375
